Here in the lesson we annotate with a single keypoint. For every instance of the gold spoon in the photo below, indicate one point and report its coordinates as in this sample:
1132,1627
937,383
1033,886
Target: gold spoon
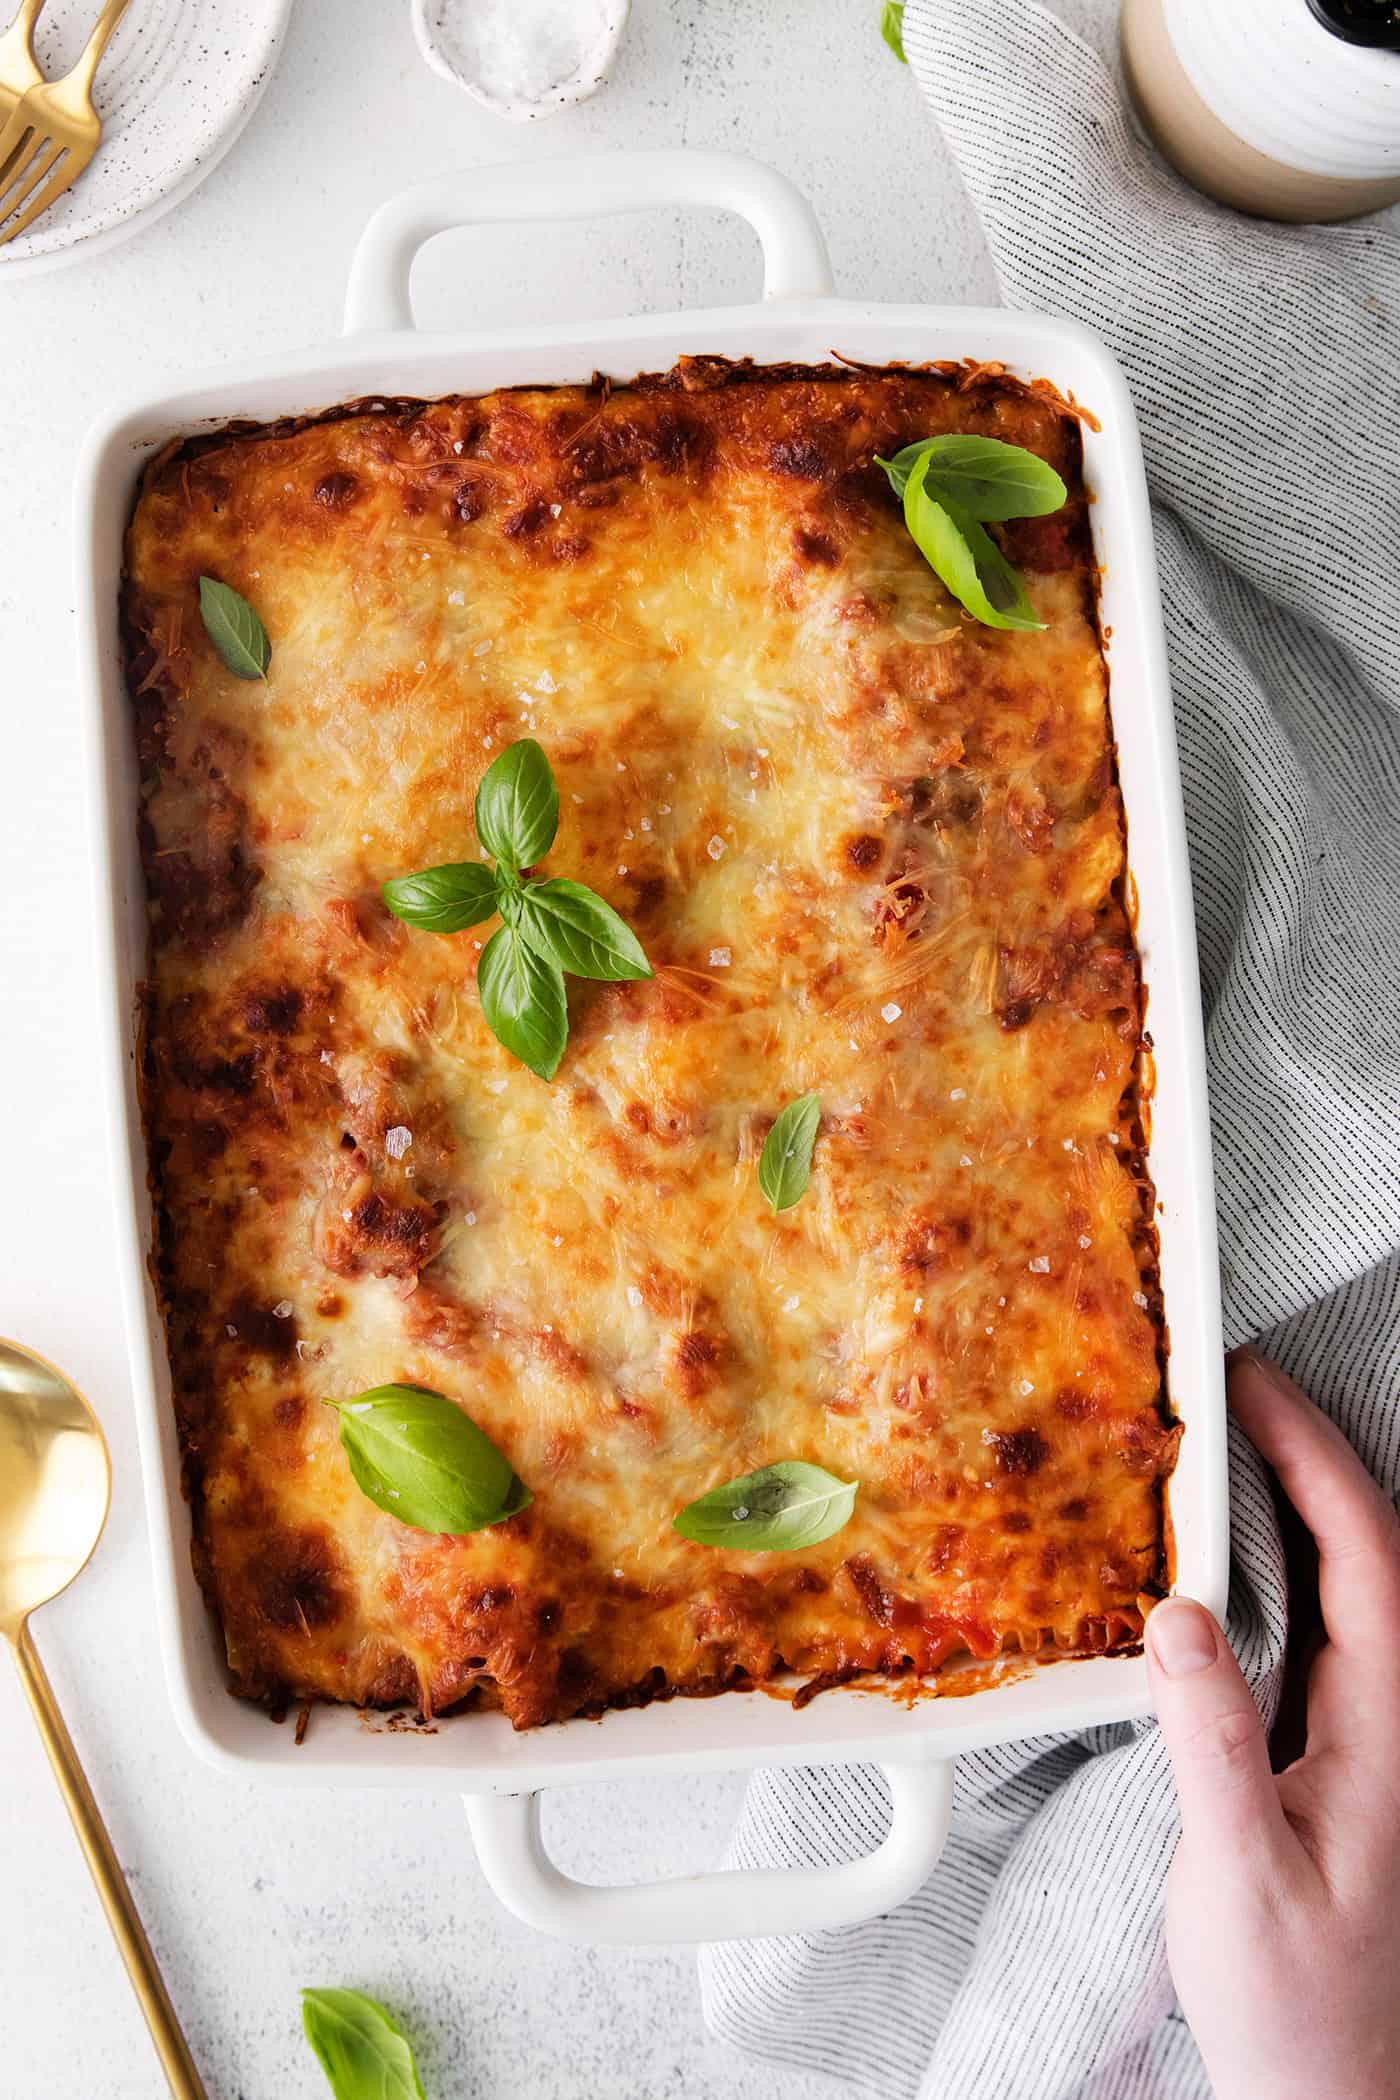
55,1483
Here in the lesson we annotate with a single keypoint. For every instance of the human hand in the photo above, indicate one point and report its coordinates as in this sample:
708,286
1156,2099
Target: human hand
1283,1902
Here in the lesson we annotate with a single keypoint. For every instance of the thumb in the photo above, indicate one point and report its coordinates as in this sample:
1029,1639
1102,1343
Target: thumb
1219,1753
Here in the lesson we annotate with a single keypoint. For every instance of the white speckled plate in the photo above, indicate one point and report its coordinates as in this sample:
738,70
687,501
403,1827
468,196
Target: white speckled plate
179,81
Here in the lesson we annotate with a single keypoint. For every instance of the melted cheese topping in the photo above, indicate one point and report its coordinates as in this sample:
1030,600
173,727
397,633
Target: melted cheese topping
872,849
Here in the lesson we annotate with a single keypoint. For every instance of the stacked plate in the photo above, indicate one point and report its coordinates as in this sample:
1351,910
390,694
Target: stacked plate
179,82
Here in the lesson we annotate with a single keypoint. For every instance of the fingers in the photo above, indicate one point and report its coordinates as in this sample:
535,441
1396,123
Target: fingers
1349,1515
1220,1758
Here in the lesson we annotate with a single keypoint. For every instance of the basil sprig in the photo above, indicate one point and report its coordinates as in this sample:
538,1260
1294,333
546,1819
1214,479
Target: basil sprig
550,926
417,1456
363,2052
785,1164
234,629
892,28
785,1506
949,485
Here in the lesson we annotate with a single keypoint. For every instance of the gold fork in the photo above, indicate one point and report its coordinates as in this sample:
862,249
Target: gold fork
52,134
19,70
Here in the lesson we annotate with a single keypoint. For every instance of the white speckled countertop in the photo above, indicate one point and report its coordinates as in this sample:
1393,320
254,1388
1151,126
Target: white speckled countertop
248,1894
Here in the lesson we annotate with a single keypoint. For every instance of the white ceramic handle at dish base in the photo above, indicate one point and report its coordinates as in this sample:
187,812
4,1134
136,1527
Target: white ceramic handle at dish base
588,186
746,1904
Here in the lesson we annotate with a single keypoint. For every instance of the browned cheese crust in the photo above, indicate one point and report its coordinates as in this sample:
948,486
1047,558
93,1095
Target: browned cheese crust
872,849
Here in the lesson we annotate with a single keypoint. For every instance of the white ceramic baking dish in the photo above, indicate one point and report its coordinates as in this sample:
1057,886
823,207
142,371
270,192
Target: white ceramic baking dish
502,1772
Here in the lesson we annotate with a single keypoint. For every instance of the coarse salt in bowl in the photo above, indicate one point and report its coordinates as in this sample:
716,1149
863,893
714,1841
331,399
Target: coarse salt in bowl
521,59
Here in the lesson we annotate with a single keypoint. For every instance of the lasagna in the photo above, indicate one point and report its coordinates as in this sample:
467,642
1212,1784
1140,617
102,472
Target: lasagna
873,849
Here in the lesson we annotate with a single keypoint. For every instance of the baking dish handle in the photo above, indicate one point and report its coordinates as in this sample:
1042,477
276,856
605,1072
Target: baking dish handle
589,186
745,1904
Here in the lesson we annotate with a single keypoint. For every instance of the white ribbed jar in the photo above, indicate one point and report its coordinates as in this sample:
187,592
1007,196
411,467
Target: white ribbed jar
1258,103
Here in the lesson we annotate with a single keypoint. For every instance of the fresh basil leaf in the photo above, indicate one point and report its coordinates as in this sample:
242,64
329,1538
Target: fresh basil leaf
364,2054
892,28
967,558
234,629
445,899
517,805
785,1506
569,924
785,1164
417,1456
981,476
522,997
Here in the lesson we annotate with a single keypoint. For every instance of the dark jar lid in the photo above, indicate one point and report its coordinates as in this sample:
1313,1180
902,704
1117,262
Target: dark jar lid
1373,22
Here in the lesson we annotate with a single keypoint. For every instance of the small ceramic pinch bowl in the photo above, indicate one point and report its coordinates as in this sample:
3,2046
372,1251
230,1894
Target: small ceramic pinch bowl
522,59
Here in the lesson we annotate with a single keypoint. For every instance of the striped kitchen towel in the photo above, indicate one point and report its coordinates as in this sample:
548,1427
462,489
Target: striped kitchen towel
1265,364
